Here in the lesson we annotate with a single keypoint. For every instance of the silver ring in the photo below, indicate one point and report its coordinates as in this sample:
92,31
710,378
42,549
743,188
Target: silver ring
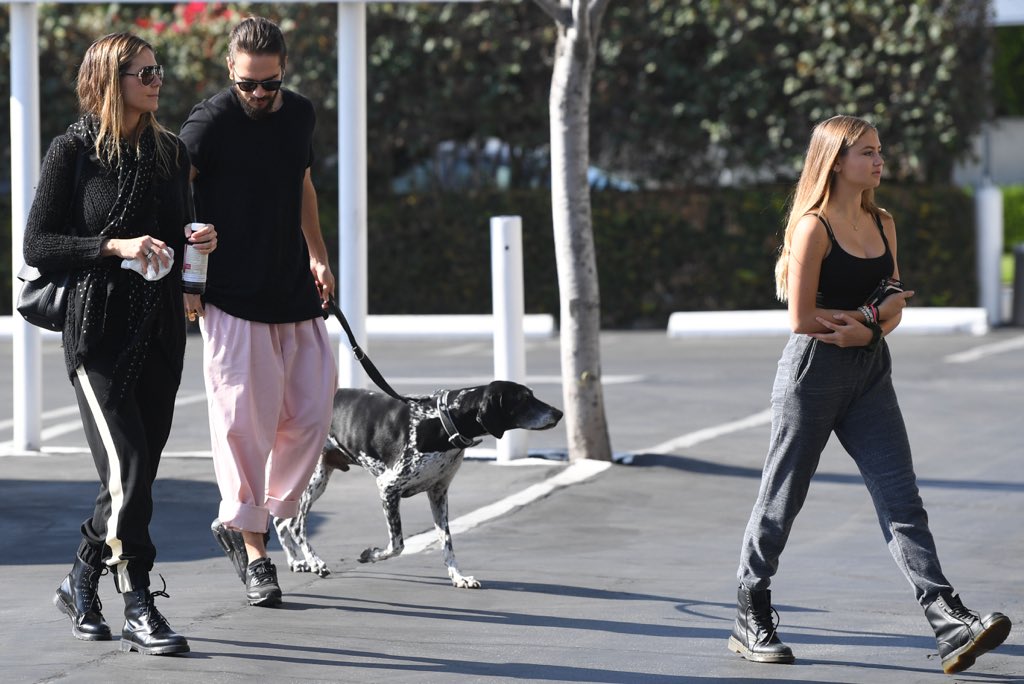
148,253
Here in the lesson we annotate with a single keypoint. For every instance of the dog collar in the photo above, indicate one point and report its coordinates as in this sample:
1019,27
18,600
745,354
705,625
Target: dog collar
457,440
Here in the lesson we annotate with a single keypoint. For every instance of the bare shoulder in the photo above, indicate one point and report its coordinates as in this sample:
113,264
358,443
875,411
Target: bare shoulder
888,223
809,234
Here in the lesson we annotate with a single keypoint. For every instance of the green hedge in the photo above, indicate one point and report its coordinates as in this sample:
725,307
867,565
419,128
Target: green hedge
1013,216
658,252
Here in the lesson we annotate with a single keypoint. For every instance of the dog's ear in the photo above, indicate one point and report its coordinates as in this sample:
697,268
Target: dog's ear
491,416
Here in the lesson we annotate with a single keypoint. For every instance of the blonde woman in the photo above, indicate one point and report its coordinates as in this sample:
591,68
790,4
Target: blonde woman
115,188
835,376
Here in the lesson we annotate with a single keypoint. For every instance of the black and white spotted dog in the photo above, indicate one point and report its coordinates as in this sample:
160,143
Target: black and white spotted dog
410,446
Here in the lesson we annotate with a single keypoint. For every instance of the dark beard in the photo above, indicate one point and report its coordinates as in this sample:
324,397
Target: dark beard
254,113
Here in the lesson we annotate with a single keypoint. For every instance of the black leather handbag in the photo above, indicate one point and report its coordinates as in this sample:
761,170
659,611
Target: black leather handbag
43,300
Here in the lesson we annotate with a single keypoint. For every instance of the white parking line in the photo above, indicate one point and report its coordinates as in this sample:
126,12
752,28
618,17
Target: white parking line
980,352
577,472
574,474
72,425
531,380
693,438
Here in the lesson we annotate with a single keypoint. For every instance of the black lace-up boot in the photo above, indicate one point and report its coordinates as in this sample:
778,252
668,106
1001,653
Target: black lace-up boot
962,634
78,598
145,628
753,635
262,589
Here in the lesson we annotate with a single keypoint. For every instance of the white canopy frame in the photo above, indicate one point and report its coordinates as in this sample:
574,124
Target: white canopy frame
25,161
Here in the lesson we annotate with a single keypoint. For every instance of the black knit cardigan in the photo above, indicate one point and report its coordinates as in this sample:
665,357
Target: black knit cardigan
63,232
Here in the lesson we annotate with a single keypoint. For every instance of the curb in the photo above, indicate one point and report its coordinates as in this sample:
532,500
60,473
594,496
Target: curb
922,321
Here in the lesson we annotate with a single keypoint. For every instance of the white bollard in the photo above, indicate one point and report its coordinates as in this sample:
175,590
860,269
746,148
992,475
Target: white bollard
28,375
352,193
988,206
508,304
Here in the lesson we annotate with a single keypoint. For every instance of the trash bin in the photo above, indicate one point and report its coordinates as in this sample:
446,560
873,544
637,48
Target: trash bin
1018,284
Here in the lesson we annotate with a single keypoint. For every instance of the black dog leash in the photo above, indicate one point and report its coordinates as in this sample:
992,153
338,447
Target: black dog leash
358,352
455,438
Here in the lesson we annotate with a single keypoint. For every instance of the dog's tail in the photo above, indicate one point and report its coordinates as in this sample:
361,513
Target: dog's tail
357,351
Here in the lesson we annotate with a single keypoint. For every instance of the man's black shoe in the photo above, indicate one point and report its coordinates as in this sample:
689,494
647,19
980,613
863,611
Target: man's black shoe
261,588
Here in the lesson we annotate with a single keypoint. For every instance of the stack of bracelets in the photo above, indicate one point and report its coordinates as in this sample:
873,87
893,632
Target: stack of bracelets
870,313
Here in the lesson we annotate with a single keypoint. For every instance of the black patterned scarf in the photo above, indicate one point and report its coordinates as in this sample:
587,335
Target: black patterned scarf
105,292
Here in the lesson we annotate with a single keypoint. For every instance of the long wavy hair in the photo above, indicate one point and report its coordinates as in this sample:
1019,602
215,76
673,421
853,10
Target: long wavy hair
831,140
100,95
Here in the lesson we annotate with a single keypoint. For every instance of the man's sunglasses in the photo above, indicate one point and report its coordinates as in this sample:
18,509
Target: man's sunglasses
148,74
247,86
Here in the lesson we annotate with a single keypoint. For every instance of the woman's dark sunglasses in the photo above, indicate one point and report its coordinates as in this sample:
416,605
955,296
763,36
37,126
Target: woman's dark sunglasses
249,86
147,74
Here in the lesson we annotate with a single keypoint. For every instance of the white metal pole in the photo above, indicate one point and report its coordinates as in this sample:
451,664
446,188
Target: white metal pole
27,353
352,201
988,202
507,302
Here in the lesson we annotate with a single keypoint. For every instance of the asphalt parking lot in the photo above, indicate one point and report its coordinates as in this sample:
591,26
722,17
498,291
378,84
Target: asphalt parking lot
626,574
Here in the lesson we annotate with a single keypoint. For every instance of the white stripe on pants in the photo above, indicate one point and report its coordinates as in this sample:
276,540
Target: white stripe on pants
113,482
270,388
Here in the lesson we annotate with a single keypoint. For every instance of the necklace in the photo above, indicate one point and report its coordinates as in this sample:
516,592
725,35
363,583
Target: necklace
853,221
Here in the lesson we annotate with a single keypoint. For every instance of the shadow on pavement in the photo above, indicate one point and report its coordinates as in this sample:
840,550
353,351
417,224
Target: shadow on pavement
695,465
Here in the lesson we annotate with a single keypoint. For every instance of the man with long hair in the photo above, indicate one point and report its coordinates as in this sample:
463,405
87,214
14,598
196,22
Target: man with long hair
269,365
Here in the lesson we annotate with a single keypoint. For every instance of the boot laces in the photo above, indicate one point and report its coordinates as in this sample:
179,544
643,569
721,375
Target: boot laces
263,573
765,621
155,616
90,588
958,610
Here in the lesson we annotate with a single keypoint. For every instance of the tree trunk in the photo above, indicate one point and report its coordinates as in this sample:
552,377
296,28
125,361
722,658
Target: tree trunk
580,306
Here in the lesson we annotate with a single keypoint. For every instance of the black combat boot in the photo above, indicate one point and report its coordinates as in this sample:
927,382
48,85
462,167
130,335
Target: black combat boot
145,629
962,634
753,635
78,598
262,589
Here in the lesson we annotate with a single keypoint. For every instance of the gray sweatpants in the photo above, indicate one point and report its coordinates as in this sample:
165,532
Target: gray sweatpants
820,389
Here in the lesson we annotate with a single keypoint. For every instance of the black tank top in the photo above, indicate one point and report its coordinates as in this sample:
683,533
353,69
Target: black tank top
845,280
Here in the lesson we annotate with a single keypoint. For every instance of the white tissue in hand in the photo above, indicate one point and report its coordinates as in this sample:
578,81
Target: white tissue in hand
148,269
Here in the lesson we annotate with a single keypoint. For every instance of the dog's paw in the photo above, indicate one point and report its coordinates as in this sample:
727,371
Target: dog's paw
465,582
320,568
375,554
298,566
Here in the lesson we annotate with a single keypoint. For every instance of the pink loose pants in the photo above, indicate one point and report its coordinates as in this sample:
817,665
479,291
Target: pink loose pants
270,388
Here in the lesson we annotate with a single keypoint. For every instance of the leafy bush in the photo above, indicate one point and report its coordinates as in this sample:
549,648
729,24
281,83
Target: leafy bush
657,252
1013,216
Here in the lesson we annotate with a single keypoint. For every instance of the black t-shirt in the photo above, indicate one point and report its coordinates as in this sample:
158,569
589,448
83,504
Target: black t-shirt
250,188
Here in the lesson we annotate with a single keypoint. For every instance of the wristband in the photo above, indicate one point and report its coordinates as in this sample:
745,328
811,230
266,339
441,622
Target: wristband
876,336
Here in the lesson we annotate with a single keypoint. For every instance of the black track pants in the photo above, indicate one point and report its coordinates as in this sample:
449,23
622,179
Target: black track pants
126,443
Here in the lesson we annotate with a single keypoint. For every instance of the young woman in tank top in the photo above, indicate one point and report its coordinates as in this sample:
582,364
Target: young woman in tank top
835,376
